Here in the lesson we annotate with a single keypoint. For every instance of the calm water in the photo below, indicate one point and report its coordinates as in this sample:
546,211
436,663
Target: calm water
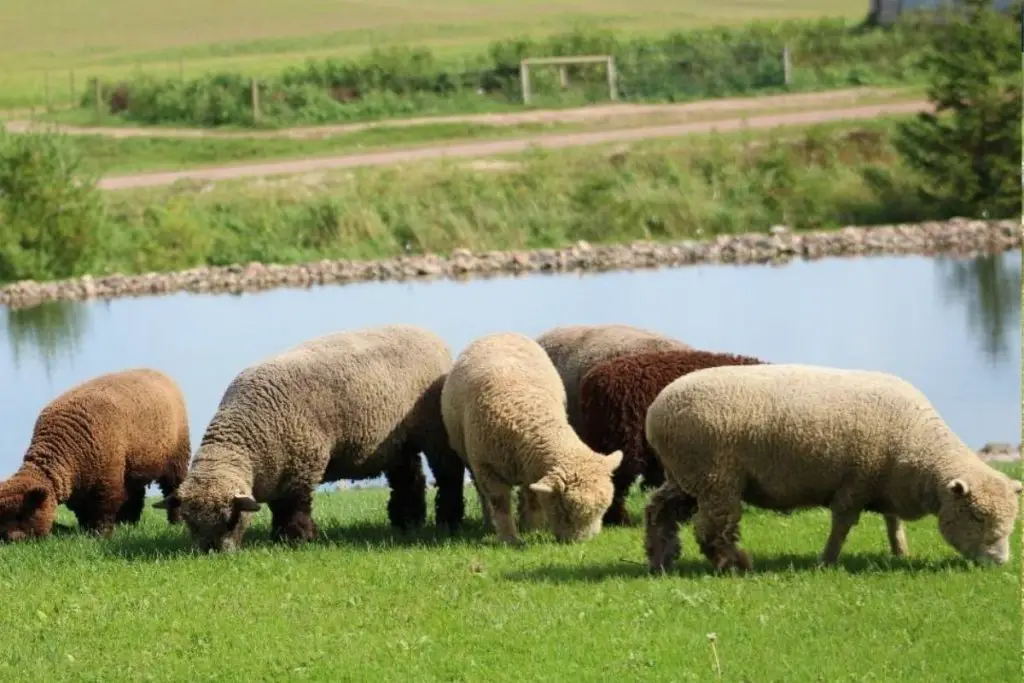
952,327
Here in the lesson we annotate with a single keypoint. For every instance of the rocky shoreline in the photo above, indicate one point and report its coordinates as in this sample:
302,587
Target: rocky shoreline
956,237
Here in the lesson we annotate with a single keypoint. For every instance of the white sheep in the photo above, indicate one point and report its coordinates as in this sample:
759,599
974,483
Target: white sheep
785,437
503,406
349,405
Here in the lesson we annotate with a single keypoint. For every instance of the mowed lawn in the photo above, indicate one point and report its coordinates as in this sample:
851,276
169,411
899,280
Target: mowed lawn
114,37
367,604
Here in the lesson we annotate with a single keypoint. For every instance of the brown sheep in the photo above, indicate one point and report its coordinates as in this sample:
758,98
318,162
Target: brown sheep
614,397
96,448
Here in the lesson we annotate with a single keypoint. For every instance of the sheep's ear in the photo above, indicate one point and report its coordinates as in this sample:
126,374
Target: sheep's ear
33,500
171,502
246,504
544,485
612,460
958,487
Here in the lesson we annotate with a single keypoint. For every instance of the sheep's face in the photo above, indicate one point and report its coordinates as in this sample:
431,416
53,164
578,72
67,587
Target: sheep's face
976,517
214,523
574,503
25,512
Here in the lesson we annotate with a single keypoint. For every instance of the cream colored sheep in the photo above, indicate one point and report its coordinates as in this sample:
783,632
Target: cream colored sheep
785,437
349,405
575,349
503,406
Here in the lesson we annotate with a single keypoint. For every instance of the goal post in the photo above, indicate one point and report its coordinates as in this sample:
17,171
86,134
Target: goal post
561,63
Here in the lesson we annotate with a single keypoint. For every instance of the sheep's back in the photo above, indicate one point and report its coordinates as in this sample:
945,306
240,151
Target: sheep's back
784,425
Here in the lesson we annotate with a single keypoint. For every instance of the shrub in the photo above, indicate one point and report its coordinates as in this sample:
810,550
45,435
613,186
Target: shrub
51,214
969,151
406,81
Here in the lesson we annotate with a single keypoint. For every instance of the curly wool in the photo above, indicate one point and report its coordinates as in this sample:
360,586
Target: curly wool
575,349
785,437
614,397
96,448
503,405
350,405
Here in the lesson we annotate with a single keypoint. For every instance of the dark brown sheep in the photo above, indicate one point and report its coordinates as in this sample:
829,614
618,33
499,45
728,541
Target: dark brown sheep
614,397
96,448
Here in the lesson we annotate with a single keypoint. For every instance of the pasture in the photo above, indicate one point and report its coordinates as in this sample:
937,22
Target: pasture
364,603
114,38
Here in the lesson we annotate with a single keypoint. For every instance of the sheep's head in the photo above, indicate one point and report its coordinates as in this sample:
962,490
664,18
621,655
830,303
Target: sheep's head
27,510
215,522
977,513
574,502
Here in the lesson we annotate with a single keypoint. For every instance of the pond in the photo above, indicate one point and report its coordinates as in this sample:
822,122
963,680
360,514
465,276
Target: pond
949,326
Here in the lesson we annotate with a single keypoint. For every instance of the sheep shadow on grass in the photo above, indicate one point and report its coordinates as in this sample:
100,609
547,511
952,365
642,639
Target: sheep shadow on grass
358,535
694,567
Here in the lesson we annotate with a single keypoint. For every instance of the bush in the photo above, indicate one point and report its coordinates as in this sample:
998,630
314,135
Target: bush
406,81
51,214
969,151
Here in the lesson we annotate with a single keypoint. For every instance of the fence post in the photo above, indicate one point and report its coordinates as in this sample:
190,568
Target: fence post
613,78
255,89
71,87
563,76
99,97
181,68
786,66
524,77
46,88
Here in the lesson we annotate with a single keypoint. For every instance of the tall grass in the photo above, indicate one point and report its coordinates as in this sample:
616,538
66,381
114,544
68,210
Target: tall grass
404,81
692,188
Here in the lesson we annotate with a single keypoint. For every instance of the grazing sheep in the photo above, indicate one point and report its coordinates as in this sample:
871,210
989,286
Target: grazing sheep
348,405
503,406
575,349
96,448
614,397
785,437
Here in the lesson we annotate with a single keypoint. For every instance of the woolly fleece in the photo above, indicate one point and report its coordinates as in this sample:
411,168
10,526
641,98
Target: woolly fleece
96,448
348,405
575,349
785,437
614,397
503,405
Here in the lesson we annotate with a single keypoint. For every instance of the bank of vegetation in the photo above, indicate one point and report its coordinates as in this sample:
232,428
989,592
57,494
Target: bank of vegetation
963,161
397,82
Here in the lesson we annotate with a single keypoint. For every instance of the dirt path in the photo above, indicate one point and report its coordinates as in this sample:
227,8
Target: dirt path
484,149
591,114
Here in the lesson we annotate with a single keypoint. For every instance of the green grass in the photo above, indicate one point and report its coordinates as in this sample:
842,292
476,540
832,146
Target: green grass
692,187
114,38
366,604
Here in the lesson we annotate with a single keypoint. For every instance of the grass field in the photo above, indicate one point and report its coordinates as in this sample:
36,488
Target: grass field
694,187
364,604
114,38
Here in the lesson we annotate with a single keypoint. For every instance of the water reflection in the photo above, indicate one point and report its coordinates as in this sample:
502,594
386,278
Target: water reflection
989,288
50,330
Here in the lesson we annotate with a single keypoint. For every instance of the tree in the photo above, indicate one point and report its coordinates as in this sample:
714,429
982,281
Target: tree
968,153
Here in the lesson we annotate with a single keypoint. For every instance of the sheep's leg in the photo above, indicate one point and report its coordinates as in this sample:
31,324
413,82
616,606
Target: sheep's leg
485,509
450,477
622,478
99,513
173,477
717,525
498,496
897,535
292,517
407,506
531,514
668,508
654,473
842,522
130,511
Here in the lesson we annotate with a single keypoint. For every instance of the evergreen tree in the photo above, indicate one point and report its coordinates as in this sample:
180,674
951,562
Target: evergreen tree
968,153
